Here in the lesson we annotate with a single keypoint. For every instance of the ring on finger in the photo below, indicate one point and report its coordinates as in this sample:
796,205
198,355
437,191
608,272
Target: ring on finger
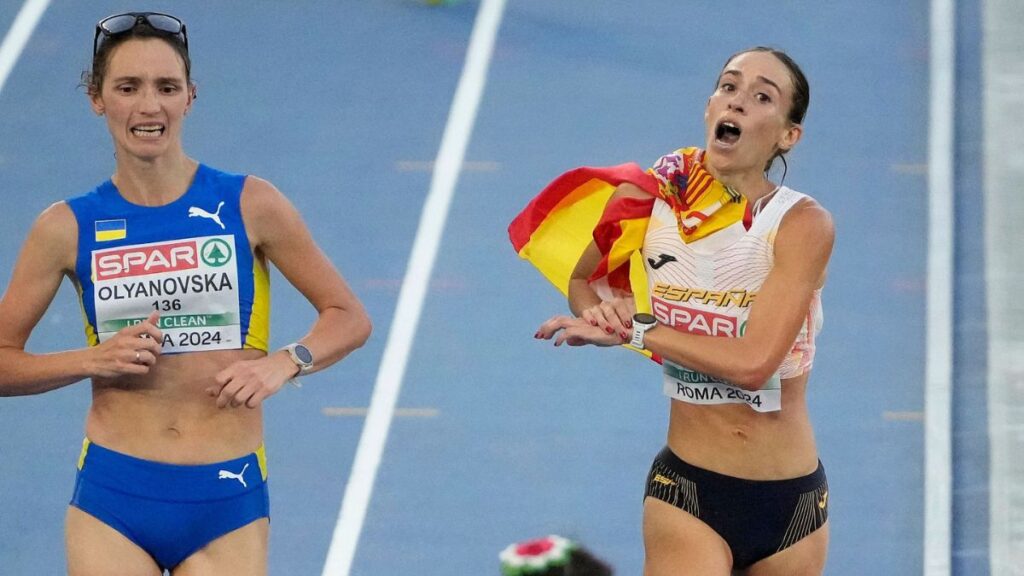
137,356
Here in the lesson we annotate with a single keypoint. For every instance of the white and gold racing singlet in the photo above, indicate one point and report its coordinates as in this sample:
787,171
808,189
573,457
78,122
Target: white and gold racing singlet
708,287
189,259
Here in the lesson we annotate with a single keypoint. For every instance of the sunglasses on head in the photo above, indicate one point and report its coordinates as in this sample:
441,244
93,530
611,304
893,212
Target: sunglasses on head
122,23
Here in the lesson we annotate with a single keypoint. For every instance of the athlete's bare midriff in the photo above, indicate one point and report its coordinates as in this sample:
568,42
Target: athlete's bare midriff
732,439
167,415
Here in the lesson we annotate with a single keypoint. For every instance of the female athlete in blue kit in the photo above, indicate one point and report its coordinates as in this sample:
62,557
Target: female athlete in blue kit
170,258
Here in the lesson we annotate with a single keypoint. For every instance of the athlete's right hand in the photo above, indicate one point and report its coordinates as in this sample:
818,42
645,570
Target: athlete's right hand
576,332
614,316
133,350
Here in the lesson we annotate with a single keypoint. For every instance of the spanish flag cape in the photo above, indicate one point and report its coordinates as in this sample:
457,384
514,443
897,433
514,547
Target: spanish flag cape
574,210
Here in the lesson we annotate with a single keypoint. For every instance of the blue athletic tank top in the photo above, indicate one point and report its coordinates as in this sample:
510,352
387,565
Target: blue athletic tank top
189,259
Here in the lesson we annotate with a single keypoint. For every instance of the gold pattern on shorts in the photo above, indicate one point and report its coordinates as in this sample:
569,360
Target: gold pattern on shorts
810,514
671,488
663,480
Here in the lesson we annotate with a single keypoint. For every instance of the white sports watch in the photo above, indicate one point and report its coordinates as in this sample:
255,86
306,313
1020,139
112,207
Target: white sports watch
301,355
642,322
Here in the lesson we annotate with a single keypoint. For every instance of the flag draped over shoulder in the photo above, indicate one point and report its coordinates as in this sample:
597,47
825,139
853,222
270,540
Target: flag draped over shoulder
702,204
574,210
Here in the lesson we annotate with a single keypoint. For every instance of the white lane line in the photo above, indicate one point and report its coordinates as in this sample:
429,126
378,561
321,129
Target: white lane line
428,165
461,118
357,411
21,30
939,344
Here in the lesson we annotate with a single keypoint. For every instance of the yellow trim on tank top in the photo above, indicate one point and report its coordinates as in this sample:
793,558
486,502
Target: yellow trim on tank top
258,336
90,331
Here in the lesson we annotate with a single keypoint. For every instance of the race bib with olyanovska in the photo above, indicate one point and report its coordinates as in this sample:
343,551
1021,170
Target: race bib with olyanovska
193,282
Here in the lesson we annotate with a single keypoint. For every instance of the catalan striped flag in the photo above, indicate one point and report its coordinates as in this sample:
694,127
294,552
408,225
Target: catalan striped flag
107,230
702,204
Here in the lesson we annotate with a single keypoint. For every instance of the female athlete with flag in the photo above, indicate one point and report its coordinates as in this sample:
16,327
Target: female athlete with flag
710,268
170,258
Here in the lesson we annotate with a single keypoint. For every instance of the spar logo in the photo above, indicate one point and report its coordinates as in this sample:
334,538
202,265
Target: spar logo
216,252
147,259
693,321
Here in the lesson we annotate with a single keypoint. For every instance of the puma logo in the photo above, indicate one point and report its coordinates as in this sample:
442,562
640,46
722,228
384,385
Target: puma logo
662,260
224,474
824,500
194,211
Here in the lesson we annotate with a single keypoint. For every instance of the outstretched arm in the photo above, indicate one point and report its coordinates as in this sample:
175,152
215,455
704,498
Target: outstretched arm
277,231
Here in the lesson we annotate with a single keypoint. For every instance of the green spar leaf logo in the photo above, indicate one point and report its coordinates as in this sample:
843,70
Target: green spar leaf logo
215,252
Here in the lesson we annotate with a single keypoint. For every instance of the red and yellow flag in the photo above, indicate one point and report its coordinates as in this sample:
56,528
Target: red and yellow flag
557,226
574,210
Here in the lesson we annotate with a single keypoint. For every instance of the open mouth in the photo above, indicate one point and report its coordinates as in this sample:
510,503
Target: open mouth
148,130
727,133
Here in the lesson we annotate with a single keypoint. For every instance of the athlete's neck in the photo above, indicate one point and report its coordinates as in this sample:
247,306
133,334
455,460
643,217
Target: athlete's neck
154,182
749,180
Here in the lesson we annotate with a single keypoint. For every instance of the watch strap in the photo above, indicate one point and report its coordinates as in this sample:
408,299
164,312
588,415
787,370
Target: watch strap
641,324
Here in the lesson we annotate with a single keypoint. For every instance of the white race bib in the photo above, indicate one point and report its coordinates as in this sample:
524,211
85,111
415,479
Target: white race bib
694,387
192,282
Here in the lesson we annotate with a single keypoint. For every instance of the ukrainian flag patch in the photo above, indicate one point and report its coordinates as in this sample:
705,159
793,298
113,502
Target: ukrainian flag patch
107,230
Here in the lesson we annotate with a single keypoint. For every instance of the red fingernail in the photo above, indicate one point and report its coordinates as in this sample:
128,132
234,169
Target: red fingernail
593,322
629,323
609,330
624,335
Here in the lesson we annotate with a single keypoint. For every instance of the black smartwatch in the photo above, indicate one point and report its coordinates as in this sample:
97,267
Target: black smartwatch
642,322
301,355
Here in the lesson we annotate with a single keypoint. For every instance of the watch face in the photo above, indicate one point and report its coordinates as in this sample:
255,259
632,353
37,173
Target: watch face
644,318
303,354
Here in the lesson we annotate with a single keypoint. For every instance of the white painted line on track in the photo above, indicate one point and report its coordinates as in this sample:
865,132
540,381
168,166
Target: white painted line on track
410,300
1003,97
21,30
938,472
359,412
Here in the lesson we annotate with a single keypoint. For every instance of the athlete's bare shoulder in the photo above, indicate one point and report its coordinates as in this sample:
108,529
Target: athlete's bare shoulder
266,211
809,220
55,232
805,240
260,197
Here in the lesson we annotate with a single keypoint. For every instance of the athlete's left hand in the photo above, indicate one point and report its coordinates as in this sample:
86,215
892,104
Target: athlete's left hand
577,332
250,382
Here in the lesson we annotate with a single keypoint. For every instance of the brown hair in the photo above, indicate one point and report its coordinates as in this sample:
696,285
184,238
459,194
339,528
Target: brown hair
92,80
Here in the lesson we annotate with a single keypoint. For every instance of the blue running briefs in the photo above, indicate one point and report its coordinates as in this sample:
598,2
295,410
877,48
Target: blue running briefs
170,511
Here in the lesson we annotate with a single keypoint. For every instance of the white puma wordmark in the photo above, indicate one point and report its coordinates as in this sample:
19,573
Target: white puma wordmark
194,211
223,474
